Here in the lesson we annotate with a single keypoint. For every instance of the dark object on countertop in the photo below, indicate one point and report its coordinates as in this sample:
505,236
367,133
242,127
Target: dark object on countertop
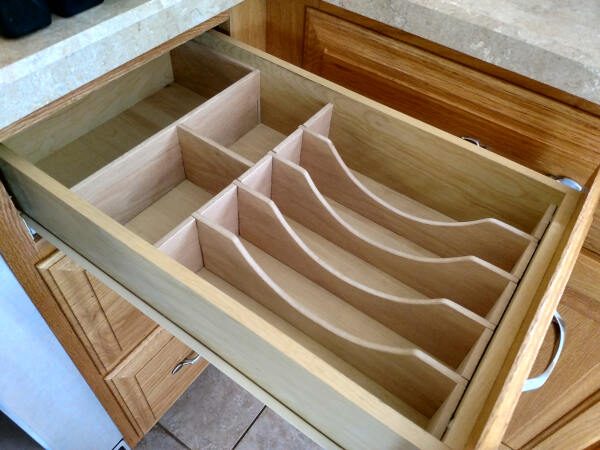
21,17
68,8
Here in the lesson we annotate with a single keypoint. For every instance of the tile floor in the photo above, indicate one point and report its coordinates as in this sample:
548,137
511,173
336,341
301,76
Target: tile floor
217,414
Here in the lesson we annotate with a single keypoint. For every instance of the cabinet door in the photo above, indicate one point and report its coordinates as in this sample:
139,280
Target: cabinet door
107,324
577,374
145,383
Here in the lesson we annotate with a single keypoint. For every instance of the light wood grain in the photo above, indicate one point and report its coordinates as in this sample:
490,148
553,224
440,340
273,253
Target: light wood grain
257,142
431,166
468,281
155,166
168,211
387,358
577,375
97,148
230,114
37,142
251,339
442,328
203,71
207,163
488,239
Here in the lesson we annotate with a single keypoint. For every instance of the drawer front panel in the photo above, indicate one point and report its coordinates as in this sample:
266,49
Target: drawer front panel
107,324
144,382
577,374
299,352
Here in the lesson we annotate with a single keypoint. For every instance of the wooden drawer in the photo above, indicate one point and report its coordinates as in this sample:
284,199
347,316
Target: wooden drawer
144,383
377,281
575,380
107,324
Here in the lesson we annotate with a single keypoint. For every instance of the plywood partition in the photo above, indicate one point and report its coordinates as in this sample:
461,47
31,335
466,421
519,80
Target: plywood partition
469,281
183,246
421,162
389,359
441,327
203,71
131,183
140,178
207,163
488,239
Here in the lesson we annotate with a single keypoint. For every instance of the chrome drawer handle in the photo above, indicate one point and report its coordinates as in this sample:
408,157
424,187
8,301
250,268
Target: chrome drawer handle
569,182
472,140
186,362
537,382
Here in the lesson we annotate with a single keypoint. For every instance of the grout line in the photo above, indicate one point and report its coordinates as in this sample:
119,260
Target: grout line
249,427
167,431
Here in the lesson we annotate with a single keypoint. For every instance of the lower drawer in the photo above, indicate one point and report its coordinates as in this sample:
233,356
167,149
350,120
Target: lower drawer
153,376
376,281
575,379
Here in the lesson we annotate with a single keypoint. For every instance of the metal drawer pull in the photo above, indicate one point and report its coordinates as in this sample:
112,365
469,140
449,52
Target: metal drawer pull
472,140
537,382
569,182
186,362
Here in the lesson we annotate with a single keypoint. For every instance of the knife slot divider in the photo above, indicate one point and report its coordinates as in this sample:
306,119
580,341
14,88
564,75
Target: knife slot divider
401,296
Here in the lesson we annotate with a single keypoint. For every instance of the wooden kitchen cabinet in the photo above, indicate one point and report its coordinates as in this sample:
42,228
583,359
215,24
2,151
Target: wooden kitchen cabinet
144,382
132,354
109,327
277,187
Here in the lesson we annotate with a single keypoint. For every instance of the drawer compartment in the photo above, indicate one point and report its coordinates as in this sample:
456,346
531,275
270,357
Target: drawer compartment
146,383
335,252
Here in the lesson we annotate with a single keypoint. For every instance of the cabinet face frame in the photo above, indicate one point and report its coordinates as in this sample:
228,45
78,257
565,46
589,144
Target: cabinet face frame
290,376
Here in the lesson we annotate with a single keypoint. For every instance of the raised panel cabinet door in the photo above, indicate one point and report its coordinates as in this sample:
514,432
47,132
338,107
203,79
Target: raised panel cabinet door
107,324
577,374
145,383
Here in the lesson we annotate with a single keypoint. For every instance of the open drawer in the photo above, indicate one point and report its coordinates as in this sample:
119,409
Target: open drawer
378,282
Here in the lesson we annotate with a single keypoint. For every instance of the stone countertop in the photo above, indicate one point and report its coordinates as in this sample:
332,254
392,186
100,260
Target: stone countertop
44,66
556,42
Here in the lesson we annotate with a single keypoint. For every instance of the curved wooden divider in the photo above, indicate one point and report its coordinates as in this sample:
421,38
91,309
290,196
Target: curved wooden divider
393,362
440,327
469,281
489,239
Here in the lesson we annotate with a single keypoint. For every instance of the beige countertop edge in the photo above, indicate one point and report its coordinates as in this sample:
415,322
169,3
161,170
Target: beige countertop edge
33,74
551,41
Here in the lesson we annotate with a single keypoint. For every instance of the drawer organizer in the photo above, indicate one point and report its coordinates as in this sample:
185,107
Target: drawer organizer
367,271
410,302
